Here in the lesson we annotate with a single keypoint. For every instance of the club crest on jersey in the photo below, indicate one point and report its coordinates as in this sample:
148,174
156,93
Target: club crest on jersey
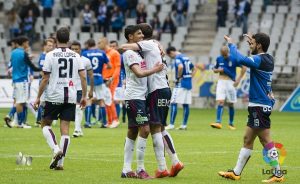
71,84
230,63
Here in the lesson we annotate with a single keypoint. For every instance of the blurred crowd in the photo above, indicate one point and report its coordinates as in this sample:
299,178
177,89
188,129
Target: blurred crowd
95,15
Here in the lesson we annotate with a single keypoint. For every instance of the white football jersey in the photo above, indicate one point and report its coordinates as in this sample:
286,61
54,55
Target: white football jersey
87,66
136,88
63,65
152,55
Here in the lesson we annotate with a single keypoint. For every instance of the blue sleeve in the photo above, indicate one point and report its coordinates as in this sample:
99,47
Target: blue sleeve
217,63
105,58
252,62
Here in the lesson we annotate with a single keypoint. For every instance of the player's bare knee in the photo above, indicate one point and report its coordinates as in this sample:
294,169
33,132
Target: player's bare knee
45,123
221,102
132,133
144,131
248,143
230,104
155,128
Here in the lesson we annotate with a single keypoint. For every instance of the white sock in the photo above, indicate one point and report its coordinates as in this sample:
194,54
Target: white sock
140,153
78,118
50,138
244,156
158,145
169,145
64,145
128,154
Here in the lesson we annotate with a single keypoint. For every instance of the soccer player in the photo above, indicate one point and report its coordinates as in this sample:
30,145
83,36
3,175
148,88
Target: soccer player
98,58
226,67
182,93
20,63
48,45
61,69
112,77
119,96
76,47
261,101
158,101
135,92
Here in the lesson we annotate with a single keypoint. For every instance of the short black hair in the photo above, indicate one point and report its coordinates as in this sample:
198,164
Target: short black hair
170,49
263,39
114,41
131,29
91,43
63,35
146,30
13,40
21,39
76,43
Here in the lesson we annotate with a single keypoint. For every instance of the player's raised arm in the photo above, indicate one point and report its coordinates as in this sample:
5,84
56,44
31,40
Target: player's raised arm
252,62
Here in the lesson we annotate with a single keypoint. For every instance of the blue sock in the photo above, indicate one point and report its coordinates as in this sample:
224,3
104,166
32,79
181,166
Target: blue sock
118,109
219,113
99,114
231,115
103,113
20,117
186,113
39,113
12,112
93,110
25,113
173,113
88,113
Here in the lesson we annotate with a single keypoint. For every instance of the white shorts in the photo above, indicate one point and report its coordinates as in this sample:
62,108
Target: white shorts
21,92
119,94
226,91
102,92
181,96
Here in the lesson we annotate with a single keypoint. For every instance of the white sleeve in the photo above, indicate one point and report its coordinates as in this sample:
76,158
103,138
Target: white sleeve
87,63
80,64
146,45
130,58
47,67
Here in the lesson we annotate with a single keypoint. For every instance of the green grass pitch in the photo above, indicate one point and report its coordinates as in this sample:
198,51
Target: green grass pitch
98,156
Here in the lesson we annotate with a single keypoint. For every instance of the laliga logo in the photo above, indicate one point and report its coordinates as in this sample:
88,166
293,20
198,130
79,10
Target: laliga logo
270,156
295,104
22,160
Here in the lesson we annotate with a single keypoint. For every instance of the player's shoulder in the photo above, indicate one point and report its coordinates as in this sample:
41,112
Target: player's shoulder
129,53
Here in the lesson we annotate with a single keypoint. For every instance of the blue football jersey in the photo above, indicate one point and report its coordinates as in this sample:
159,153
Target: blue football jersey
261,69
98,58
20,68
229,66
186,81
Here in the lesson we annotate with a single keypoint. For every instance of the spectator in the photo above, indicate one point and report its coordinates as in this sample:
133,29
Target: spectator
117,21
87,18
13,22
181,7
28,25
158,4
222,9
69,8
102,17
132,4
168,26
47,8
122,4
243,8
156,26
141,14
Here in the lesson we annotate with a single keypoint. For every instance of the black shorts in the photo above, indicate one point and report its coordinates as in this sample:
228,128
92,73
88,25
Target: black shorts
79,96
63,111
136,113
259,117
158,106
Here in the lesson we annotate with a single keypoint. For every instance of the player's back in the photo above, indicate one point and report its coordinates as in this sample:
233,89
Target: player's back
136,88
20,68
98,58
152,54
186,81
63,65
229,66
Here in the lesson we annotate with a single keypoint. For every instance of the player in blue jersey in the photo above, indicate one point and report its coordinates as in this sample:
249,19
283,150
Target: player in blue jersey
98,58
48,45
20,62
261,101
226,66
182,93
119,96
